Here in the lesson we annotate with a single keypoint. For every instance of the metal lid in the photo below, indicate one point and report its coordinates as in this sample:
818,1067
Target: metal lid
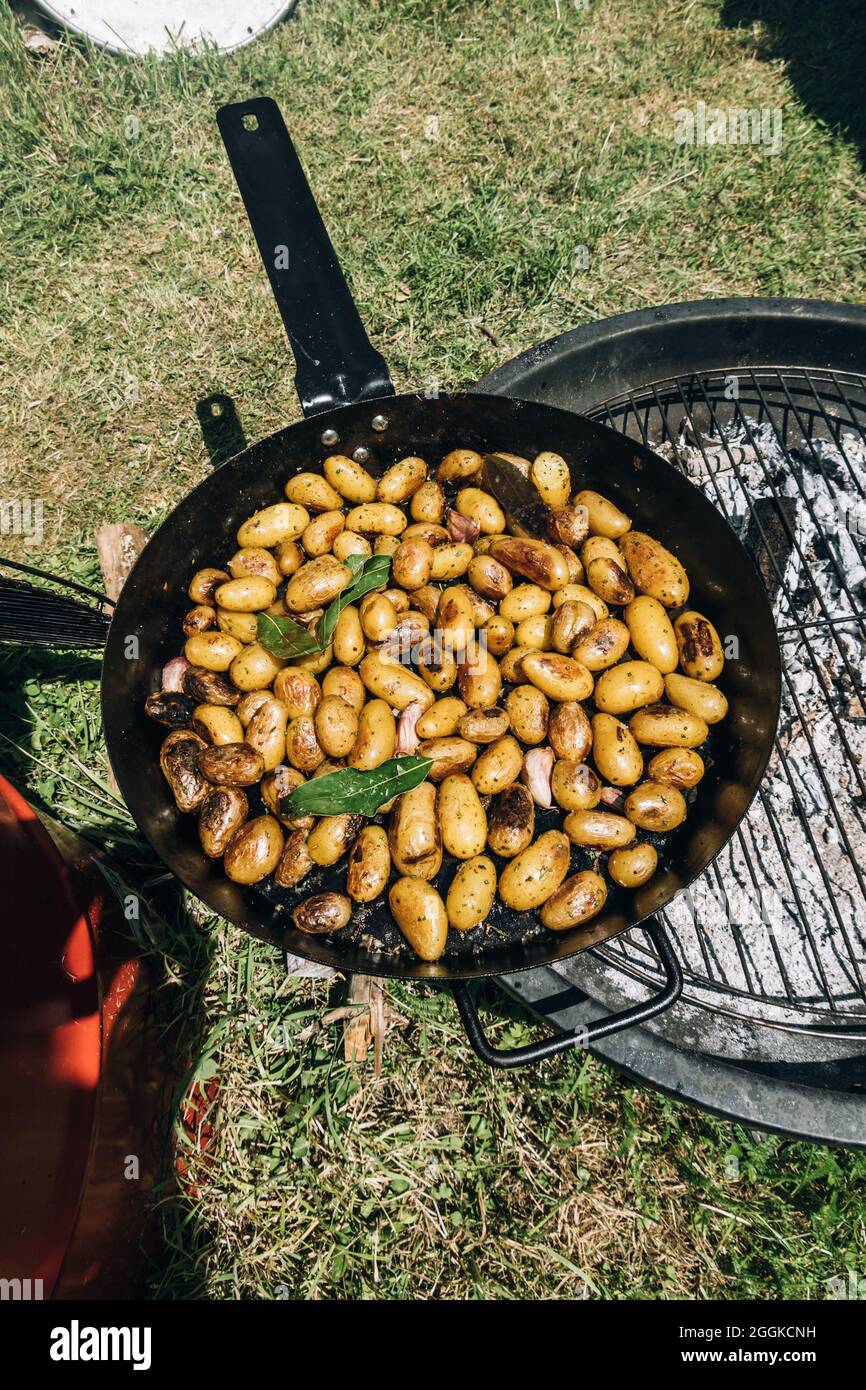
162,26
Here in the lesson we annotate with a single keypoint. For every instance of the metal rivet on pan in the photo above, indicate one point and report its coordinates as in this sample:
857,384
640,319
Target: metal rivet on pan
330,437
361,455
379,423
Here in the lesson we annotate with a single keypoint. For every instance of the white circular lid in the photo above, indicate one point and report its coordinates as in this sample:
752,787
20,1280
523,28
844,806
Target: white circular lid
146,26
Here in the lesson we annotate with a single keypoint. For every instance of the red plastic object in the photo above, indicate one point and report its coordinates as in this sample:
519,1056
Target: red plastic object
79,1091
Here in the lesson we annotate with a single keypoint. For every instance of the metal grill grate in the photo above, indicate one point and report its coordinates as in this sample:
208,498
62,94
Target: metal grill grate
783,455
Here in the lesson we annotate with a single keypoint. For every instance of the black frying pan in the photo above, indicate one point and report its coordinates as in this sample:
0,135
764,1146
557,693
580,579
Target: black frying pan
350,407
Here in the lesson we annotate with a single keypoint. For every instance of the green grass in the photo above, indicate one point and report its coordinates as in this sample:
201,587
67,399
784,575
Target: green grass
132,290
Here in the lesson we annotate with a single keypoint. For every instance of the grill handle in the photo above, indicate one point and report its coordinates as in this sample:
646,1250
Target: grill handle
334,360
509,1058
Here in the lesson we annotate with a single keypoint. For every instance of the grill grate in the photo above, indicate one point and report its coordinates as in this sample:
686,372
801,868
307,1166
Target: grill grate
782,453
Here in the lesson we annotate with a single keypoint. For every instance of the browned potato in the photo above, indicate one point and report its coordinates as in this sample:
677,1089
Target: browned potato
580,898
412,564
511,821
570,625
700,648
483,725
204,584
390,681
331,837
316,584
676,767
537,561
298,690
294,862
569,731
209,688
303,749
488,577
199,619
231,765
460,463
603,646
559,677
223,811
479,678
655,806
654,570
254,851
369,865
179,760
450,755
324,912
500,636
346,683
610,581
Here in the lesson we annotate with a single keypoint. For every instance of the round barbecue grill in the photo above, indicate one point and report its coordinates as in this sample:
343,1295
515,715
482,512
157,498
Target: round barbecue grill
762,403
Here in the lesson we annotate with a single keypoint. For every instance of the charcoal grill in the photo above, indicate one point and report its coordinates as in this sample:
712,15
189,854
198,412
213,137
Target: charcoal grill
762,403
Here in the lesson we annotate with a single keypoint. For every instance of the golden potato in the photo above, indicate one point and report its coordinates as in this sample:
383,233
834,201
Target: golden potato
634,866
615,751
462,819
652,633
532,877
420,914
655,806
605,518
470,897
628,686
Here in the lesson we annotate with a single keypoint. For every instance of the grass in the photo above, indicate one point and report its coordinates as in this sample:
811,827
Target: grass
463,154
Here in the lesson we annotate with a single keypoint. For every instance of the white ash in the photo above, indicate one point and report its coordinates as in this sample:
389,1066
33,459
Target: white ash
741,923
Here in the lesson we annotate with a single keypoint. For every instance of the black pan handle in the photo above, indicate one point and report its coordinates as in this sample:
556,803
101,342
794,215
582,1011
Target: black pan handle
509,1058
335,362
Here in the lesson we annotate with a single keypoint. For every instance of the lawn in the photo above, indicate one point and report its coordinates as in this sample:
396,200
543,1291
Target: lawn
492,174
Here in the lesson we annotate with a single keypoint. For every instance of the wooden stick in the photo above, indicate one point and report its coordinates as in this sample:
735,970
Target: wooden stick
118,546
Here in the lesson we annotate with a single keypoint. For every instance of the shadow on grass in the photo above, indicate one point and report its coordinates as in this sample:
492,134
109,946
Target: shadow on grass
823,48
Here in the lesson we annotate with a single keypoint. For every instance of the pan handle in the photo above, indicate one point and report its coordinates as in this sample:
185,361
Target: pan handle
509,1058
334,360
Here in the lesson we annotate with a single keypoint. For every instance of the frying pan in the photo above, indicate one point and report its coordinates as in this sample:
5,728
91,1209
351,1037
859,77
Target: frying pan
350,407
